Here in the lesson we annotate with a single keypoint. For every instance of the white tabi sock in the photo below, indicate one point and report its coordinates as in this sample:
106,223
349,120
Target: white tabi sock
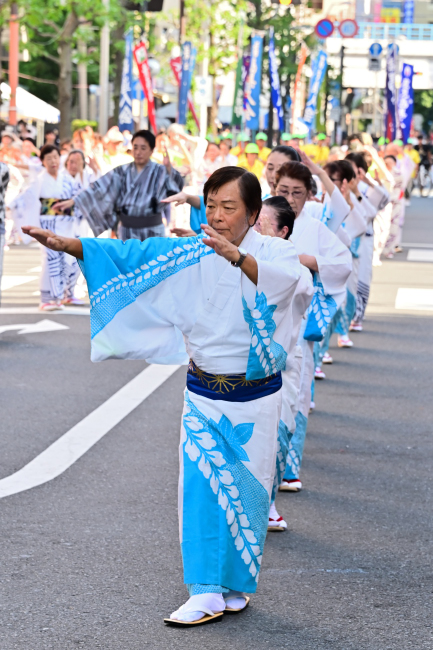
198,606
235,600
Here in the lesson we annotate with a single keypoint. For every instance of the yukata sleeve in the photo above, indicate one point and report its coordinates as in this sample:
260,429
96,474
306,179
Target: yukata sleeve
198,216
269,318
339,210
131,286
356,224
97,202
335,264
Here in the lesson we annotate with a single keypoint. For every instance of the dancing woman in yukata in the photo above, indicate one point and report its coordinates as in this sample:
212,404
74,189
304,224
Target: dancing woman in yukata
223,297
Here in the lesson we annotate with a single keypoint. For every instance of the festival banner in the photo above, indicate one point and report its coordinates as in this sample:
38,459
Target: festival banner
405,101
408,11
176,66
238,101
391,94
302,58
275,81
126,122
140,56
246,63
188,63
254,84
316,80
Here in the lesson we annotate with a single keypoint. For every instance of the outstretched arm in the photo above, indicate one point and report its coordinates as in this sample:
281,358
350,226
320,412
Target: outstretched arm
47,238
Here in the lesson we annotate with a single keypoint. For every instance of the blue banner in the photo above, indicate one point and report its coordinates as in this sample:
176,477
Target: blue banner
275,81
391,94
254,84
318,70
405,101
408,11
126,122
188,62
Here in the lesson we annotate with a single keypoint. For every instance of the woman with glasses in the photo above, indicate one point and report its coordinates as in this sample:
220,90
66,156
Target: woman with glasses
329,260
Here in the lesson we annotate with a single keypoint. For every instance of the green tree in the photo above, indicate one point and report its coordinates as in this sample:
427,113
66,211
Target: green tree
54,28
221,23
423,104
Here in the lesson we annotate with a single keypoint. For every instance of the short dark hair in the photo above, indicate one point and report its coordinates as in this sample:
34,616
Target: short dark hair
71,153
359,159
296,170
341,167
390,156
249,187
290,152
48,148
283,211
146,135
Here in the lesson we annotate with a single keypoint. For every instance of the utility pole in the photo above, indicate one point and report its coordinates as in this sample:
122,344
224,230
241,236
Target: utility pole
103,74
14,40
182,22
82,80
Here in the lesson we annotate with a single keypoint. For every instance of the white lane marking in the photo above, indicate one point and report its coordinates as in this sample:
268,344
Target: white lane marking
31,328
67,311
416,299
420,255
35,269
11,281
412,245
77,441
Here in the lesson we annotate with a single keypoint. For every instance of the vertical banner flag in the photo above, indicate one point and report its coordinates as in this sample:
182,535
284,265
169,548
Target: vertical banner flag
254,84
316,80
140,56
188,62
238,101
275,81
391,94
176,66
408,11
246,63
126,122
405,101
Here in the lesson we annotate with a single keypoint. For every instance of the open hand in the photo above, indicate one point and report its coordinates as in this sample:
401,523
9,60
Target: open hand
178,199
63,205
46,238
183,232
220,244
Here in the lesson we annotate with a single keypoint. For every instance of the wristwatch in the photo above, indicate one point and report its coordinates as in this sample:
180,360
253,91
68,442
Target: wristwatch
243,253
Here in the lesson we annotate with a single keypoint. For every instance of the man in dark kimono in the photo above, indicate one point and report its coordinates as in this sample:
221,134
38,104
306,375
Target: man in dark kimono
129,197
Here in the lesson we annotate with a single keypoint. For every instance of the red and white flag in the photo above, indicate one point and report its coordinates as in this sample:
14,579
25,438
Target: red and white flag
140,56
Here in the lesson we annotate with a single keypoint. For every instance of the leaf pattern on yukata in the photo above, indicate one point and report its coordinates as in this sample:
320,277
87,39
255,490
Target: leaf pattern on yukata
213,446
266,357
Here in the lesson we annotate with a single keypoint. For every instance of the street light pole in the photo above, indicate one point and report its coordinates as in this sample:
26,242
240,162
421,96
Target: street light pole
103,74
14,38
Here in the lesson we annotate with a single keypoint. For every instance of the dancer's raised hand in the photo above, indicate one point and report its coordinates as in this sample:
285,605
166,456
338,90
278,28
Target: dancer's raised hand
55,242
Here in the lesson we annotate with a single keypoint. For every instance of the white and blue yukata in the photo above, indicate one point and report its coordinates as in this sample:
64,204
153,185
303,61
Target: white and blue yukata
154,299
292,376
311,237
60,271
378,196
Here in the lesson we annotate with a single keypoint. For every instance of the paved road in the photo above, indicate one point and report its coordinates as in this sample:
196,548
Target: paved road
91,559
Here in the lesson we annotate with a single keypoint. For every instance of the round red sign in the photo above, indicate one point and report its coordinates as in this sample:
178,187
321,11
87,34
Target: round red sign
348,28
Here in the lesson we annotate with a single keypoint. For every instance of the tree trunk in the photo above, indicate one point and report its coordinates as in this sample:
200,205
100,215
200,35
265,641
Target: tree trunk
65,75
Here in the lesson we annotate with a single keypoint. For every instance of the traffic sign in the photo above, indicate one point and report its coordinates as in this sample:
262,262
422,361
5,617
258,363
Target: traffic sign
348,28
375,49
397,49
324,28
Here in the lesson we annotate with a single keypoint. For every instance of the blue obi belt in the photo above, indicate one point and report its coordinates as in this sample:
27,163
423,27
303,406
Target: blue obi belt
231,388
